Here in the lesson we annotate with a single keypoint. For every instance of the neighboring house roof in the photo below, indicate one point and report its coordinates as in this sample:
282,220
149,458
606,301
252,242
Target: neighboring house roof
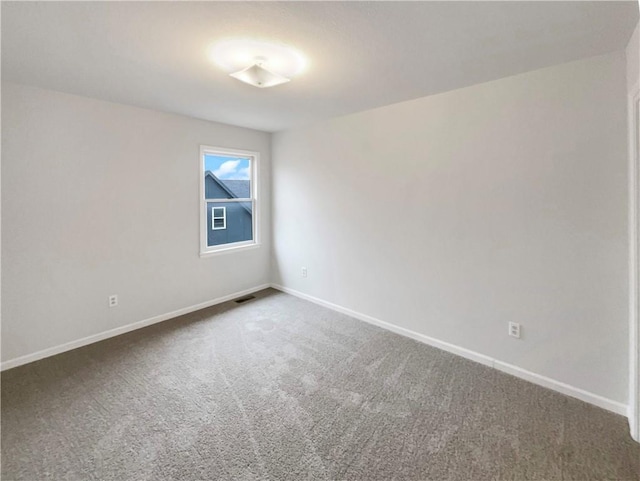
236,189
241,188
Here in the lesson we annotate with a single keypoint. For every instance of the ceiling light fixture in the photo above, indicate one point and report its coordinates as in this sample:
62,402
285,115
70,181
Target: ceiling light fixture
258,76
261,64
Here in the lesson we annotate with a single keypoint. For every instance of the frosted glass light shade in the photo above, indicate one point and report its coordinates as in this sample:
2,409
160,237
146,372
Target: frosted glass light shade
259,76
256,62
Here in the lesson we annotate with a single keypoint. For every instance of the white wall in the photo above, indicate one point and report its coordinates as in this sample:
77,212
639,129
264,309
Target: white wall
99,199
453,214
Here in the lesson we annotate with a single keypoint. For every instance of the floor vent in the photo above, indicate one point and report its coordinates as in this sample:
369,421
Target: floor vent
244,299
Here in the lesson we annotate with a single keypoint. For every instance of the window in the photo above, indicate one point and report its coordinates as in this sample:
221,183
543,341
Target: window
228,216
219,218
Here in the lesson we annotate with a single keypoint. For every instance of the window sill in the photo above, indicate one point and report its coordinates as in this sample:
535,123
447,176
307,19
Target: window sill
229,250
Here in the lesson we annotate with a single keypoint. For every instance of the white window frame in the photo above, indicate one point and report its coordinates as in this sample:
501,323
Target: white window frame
254,166
214,218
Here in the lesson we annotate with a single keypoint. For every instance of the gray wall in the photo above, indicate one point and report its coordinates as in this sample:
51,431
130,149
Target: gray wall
510,200
633,60
100,198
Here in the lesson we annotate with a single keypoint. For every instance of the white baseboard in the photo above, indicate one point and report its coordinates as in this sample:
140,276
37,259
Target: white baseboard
68,346
608,404
595,399
561,387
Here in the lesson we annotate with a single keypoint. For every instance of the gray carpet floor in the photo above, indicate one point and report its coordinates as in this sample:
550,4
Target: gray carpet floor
278,388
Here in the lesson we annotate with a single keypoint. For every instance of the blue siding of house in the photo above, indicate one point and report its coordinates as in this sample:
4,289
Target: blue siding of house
239,218
212,190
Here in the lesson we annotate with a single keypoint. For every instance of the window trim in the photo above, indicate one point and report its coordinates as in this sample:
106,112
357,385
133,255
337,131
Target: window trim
214,218
254,161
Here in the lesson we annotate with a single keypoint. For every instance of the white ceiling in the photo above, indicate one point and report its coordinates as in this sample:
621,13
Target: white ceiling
362,54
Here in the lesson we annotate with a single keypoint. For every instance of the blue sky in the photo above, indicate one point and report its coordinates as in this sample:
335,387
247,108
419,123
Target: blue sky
224,167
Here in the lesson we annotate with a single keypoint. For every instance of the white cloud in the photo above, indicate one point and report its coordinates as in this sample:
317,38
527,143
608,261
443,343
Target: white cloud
227,169
243,173
231,170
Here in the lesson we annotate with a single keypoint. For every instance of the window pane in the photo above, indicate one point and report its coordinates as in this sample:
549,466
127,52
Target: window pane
218,212
239,223
227,177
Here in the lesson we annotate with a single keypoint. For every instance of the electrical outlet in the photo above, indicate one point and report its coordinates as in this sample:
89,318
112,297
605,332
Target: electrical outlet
113,300
304,272
514,330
